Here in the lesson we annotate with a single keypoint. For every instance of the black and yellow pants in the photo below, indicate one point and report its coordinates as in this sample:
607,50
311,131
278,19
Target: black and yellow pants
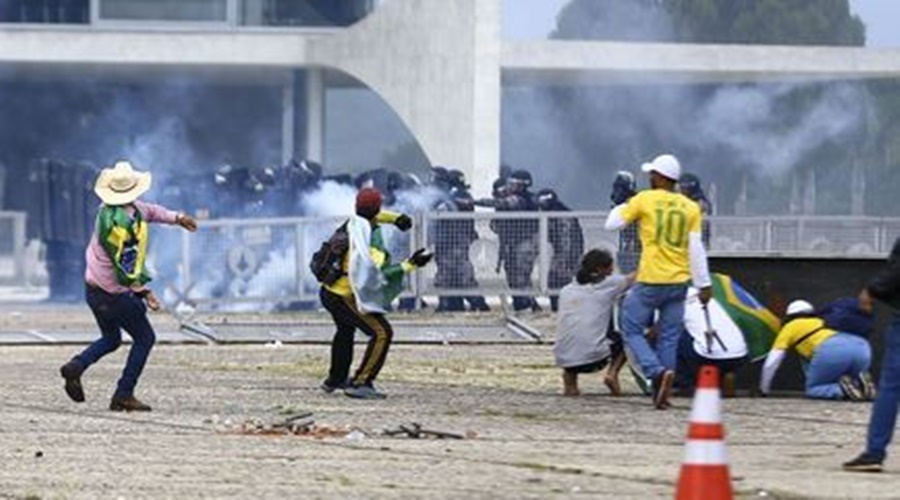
347,318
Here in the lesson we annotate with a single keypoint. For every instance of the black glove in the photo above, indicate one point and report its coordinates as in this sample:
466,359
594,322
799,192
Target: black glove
420,258
403,222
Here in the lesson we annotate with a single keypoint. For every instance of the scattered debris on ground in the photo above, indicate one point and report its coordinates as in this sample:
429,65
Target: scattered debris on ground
416,431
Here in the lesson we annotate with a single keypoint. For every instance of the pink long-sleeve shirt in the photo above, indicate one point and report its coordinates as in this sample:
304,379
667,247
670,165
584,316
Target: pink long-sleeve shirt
100,271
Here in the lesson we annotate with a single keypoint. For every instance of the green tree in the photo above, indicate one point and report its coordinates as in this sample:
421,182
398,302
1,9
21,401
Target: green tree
782,22
630,20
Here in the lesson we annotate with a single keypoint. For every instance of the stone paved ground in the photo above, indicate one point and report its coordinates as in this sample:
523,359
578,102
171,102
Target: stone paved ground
528,441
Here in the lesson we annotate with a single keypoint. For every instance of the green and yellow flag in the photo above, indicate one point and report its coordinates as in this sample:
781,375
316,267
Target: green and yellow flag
124,238
759,325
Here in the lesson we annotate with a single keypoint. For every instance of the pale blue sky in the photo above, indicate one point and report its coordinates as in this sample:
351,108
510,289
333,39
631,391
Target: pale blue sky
536,18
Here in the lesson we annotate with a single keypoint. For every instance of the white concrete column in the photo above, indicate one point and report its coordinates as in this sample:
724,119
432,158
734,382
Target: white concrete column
437,64
809,193
288,113
858,189
487,88
315,114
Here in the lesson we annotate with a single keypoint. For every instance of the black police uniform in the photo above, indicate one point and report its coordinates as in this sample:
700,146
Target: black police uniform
453,238
567,240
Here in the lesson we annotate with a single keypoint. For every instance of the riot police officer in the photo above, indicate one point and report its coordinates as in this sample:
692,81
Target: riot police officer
518,237
453,238
690,186
567,240
629,252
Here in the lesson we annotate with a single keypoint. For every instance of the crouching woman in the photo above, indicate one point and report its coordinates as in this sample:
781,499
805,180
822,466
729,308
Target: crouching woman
585,339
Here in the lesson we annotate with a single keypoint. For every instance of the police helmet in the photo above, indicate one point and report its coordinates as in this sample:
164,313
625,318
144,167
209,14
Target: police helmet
623,188
499,188
439,175
546,196
313,168
267,176
522,177
457,178
689,184
223,174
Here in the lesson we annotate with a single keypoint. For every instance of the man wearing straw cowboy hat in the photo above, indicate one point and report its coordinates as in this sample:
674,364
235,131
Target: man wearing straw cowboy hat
116,280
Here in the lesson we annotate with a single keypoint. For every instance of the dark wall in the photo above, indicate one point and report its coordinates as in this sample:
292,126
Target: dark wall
775,281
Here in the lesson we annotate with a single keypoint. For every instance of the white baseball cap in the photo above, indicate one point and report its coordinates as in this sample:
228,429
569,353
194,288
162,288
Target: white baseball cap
664,165
799,306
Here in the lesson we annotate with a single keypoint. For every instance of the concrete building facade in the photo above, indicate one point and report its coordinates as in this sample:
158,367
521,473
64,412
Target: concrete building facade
439,65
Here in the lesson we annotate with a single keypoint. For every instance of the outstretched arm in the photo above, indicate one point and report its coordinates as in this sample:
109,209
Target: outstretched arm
773,361
158,213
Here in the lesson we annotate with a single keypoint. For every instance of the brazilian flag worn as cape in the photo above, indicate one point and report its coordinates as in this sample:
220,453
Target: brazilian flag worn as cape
375,285
124,238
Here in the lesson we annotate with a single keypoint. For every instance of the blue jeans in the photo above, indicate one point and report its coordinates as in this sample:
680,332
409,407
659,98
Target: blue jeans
884,410
637,315
842,354
113,313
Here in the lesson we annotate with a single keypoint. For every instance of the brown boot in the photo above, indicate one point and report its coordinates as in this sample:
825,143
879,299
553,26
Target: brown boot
130,403
72,371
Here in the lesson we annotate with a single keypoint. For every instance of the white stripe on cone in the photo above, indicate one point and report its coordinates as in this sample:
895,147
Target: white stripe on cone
704,452
706,408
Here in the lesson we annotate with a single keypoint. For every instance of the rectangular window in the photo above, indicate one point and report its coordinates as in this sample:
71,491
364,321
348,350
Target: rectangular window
306,13
44,11
164,10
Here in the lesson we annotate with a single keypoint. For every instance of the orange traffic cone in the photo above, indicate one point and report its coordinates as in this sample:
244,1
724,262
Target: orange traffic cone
704,472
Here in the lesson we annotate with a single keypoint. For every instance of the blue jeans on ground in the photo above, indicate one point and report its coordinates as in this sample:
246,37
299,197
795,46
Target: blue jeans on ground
113,313
884,410
637,315
842,354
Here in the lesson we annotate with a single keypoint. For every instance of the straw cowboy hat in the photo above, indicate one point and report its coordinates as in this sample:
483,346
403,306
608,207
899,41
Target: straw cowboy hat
121,184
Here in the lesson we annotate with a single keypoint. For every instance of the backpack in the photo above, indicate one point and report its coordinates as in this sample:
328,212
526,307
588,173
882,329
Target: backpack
845,315
325,264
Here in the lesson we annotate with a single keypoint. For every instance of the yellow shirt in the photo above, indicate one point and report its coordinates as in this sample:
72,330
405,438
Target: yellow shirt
342,285
666,219
794,330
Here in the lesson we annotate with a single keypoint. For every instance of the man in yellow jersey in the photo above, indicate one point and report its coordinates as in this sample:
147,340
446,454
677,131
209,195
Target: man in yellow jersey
359,298
672,256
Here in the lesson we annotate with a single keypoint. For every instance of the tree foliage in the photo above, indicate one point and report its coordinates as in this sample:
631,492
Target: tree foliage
631,20
782,22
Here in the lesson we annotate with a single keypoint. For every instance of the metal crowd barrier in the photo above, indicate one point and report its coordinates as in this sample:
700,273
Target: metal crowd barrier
238,263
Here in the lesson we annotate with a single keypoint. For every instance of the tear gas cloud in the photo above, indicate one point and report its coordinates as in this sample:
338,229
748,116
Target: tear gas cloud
719,132
724,132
